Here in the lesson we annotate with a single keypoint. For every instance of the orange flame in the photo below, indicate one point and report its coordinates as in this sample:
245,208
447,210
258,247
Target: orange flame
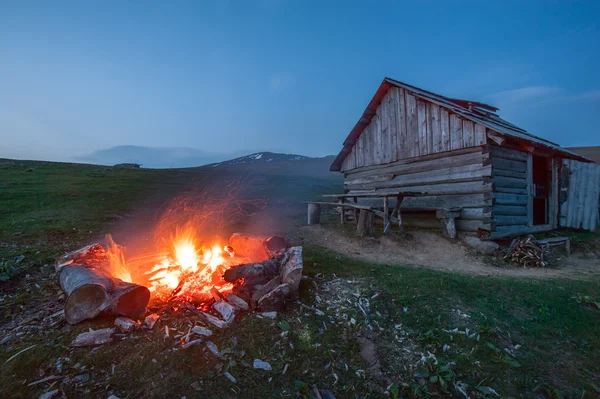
116,261
188,260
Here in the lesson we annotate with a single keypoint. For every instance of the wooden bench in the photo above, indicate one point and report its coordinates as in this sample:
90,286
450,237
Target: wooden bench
364,221
553,241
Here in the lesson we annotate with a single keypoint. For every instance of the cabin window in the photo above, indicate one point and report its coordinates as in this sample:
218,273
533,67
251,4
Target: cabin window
542,188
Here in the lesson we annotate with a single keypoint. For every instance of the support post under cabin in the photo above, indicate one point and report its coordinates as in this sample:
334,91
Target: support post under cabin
365,223
342,213
386,213
447,217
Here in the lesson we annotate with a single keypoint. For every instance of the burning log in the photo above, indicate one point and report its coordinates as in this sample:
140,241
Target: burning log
87,292
254,273
275,299
128,299
257,248
91,290
291,272
269,284
97,279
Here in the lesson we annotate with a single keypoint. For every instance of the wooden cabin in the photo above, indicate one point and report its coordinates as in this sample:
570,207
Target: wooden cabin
438,153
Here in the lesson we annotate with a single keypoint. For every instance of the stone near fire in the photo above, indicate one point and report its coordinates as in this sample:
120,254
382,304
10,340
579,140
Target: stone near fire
125,324
49,394
226,311
230,377
275,299
81,379
151,320
269,315
192,343
237,301
212,320
94,337
213,348
202,331
261,365
291,272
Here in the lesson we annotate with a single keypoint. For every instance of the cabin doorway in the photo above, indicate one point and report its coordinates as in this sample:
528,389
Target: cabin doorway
542,189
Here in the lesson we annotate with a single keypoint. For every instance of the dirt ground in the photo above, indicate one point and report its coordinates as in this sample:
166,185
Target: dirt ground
423,248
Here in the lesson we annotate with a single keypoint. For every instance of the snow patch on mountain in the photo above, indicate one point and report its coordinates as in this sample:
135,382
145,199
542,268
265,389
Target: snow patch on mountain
262,157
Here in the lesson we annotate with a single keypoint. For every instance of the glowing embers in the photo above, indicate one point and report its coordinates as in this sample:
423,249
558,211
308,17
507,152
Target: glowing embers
190,270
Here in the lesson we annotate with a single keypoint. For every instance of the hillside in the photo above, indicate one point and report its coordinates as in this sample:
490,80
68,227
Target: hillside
153,157
184,157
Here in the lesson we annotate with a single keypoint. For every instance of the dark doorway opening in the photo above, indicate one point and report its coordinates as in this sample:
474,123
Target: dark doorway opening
542,186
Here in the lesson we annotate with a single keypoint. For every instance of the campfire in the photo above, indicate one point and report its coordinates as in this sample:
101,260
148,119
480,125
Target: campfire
211,277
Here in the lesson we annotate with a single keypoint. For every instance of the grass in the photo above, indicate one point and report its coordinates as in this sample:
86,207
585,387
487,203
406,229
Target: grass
559,337
47,206
525,339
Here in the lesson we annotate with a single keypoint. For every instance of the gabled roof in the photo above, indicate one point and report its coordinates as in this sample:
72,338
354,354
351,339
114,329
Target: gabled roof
472,110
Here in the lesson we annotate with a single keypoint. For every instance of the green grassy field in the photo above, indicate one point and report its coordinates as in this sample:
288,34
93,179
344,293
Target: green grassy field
419,333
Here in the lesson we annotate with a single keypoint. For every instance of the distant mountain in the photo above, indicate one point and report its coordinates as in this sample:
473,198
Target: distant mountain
591,152
277,163
154,157
261,157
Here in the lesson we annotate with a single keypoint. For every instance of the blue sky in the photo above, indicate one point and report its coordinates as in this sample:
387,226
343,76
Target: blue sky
290,76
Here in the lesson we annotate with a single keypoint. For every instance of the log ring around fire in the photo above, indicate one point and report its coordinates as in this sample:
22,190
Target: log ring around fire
90,292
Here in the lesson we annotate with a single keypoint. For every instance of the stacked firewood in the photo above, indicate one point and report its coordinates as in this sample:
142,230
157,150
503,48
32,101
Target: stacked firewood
527,252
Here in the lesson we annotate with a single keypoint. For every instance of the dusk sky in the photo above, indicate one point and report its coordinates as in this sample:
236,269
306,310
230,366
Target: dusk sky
286,76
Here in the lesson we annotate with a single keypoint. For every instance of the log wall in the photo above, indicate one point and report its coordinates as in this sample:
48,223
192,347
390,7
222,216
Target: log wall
406,126
453,179
511,179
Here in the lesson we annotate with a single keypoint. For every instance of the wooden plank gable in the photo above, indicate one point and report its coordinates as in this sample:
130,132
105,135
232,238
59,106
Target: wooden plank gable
405,126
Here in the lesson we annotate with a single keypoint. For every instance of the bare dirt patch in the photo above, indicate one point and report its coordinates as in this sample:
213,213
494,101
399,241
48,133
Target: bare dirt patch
422,248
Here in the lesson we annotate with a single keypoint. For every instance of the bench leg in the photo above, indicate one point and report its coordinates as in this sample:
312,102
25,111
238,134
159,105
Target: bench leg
399,206
395,213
